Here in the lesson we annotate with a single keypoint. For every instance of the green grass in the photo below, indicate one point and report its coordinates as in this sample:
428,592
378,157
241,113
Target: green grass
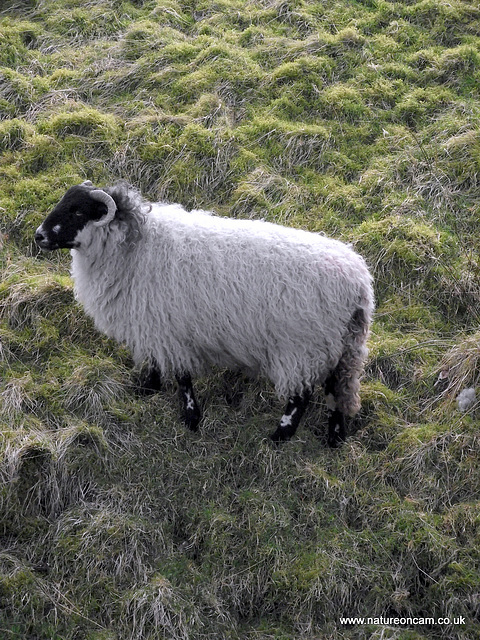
358,119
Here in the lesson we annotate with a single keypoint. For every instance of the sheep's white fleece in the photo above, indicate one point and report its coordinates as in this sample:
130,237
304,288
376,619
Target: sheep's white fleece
197,289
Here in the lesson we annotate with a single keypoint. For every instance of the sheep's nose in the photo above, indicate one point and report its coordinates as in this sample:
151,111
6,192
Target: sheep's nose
41,239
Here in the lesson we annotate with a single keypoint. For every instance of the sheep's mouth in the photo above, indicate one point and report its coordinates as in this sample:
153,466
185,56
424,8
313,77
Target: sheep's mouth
46,245
51,245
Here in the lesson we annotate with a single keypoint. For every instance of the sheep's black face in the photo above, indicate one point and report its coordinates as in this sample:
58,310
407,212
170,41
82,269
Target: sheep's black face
74,211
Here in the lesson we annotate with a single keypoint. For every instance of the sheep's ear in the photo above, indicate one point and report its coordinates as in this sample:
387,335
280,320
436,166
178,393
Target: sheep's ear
106,199
87,183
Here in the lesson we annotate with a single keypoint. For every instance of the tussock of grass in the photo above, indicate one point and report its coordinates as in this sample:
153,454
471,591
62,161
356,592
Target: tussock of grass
460,367
358,120
93,386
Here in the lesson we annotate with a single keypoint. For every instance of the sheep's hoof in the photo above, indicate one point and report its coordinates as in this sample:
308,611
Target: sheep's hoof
192,420
335,443
280,435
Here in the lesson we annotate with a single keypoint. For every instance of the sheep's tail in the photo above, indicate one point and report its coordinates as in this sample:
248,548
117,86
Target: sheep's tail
350,366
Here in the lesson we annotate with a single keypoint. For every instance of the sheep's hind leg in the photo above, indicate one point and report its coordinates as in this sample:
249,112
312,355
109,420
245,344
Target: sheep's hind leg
336,419
192,413
291,417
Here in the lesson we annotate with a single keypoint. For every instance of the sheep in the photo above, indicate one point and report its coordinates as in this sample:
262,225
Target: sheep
186,290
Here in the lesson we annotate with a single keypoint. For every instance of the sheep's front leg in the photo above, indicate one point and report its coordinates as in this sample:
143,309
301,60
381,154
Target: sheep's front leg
291,418
150,382
192,413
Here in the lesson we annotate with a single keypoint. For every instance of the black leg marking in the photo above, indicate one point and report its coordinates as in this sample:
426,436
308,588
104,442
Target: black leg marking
291,418
192,413
336,419
149,382
336,429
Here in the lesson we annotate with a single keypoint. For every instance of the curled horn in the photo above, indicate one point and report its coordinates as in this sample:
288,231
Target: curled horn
102,196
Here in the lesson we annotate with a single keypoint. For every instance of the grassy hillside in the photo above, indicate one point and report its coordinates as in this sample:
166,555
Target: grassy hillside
357,118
